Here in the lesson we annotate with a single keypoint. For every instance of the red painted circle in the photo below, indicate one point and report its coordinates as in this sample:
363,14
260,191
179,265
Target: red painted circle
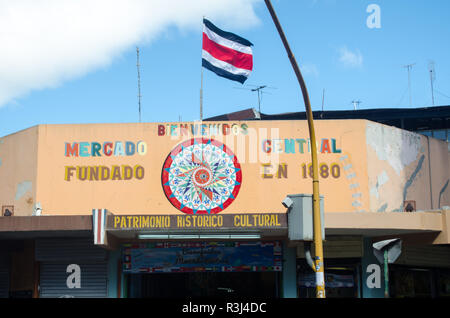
202,176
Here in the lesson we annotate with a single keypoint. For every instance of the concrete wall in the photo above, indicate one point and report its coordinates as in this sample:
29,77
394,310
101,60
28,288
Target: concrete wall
364,166
273,156
18,170
406,166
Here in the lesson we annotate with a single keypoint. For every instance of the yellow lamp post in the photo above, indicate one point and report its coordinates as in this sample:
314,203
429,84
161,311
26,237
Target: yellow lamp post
318,259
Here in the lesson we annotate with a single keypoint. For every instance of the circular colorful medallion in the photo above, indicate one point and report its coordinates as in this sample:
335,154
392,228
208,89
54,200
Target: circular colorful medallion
201,176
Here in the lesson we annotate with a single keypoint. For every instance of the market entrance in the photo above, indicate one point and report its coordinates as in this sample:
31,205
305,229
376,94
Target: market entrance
211,269
203,284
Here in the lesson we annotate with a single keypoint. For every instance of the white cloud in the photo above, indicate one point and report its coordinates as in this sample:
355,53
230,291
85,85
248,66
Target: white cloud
47,42
349,58
309,69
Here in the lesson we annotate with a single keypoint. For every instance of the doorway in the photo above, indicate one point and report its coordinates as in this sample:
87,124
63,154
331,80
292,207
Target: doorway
203,284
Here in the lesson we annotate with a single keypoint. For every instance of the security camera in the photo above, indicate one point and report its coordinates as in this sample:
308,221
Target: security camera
287,202
37,209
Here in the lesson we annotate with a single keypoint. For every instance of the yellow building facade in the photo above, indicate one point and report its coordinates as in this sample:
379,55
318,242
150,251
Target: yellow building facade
229,178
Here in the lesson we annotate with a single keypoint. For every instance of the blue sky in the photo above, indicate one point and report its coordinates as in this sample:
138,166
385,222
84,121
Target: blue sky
91,77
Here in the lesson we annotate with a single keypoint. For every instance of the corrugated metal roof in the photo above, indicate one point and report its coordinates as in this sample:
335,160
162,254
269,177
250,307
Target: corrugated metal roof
437,117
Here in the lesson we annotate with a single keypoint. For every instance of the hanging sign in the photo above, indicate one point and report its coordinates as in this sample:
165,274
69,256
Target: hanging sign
183,222
202,257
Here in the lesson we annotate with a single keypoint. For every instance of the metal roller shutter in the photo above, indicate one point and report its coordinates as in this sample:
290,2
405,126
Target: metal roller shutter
55,255
4,275
426,256
345,247
68,250
94,280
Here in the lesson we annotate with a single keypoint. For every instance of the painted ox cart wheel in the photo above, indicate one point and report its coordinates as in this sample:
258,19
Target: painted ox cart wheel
201,176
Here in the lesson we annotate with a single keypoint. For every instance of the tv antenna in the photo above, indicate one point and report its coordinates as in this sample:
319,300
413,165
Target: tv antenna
139,81
323,98
356,103
323,102
409,67
259,90
432,78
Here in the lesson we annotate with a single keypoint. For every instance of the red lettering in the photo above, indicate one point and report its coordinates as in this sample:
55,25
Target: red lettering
267,146
183,129
106,151
72,150
325,146
225,129
161,130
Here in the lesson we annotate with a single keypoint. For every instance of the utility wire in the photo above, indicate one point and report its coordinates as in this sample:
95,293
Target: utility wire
441,93
139,81
403,96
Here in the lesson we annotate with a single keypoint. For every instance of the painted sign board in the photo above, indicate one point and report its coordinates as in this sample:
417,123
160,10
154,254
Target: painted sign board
202,256
194,168
198,222
218,168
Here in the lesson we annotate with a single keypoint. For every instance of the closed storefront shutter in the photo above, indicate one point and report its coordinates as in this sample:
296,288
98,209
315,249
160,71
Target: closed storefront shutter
68,249
93,280
341,247
425,256
4,275
59,279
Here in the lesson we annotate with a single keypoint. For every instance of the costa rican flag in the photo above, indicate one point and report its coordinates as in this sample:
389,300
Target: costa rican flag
99,226
226,54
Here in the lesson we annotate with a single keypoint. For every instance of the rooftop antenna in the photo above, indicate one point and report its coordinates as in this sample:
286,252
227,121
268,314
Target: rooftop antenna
323,100
259,90
409,67
356,103
139,81
432,78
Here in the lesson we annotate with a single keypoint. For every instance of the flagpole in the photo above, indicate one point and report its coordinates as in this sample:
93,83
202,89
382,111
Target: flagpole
201,96
201,81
